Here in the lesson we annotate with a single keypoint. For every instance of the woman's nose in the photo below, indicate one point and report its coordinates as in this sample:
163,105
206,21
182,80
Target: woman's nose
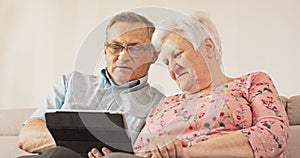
173,66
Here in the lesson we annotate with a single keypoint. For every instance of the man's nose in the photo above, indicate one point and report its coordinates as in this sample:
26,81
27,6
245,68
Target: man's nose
124,55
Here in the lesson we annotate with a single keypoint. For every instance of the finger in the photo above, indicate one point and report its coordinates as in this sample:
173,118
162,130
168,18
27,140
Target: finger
171,147
96,153
106,151
148,155
163,151
184,143
168,142
151,147
155,153
159,148
179,148
90,154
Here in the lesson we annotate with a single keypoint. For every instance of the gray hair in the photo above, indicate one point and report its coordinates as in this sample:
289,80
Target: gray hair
131,17
194,28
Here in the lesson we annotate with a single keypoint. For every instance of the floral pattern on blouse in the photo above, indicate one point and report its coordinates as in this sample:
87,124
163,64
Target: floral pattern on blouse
249,104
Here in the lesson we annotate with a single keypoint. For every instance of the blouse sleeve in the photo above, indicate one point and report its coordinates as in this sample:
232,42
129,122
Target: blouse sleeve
269,133
146,133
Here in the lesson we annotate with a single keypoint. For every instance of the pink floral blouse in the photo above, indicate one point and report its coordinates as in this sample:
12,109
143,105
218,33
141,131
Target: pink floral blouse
249,104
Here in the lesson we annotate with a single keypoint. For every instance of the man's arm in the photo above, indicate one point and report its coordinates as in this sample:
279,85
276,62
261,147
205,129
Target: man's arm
35,137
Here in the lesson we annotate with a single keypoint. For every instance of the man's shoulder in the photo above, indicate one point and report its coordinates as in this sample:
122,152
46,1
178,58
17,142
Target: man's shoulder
157,92
81,75
76,77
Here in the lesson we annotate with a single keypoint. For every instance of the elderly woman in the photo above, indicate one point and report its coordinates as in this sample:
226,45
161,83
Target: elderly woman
215,116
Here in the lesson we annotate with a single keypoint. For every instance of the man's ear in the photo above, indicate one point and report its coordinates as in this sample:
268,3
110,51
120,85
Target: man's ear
209,48
104,50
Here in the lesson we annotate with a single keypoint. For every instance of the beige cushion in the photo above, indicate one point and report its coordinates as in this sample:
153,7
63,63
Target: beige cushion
11,120
8,147
293,147
293,110
284,101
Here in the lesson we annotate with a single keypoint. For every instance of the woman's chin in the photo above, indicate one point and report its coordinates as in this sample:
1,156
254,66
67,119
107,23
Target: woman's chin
188,88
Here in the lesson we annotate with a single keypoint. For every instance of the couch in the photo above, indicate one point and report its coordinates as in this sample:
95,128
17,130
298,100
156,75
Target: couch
11,122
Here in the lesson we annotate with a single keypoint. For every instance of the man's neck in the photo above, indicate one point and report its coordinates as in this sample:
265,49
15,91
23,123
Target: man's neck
129,84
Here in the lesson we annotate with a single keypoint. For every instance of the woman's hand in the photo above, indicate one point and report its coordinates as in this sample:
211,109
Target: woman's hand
165,146
95,153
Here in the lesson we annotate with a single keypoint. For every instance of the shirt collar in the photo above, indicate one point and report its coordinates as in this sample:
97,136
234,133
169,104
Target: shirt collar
108,81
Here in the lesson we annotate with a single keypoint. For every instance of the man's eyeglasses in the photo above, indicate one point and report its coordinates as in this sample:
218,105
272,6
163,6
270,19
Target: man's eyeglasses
115,49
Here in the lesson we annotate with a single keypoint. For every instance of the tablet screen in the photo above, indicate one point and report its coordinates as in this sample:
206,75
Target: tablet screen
83,130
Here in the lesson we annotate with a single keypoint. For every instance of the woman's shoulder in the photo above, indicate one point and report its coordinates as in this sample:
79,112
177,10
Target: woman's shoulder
169,100
172,98
254,76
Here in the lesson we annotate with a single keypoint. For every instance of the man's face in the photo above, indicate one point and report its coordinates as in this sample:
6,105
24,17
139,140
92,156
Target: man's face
131,63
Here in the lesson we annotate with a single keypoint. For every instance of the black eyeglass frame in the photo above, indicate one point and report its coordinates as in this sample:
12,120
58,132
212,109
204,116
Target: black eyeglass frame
135,49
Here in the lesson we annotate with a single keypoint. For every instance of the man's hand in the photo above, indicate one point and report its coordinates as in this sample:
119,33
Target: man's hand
95,153
35,137
165,146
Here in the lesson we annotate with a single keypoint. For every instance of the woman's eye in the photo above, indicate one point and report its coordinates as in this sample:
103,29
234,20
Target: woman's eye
166,62
178,54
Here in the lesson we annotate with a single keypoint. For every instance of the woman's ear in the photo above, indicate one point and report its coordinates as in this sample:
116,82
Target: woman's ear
209,47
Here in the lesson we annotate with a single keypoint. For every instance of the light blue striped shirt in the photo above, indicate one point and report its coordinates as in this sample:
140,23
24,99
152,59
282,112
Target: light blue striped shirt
80,91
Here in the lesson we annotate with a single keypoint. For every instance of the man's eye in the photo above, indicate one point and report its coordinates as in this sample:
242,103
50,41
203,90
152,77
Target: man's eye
115,47
137,49
178,54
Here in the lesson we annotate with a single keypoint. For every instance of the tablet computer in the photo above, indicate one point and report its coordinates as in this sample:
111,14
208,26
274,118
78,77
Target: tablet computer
83,130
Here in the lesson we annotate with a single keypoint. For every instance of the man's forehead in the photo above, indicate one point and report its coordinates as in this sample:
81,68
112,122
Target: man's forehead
122,29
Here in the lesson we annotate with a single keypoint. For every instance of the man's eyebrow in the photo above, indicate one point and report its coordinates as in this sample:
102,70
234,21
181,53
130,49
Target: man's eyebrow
116,42
133,44
128,44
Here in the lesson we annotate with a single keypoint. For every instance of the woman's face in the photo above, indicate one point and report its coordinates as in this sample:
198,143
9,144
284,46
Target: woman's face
186,66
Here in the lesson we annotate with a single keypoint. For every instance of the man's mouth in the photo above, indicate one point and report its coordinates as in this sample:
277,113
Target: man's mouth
123,67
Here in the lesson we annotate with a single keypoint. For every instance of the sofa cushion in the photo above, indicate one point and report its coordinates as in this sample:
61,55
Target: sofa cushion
293,147
8,147
11,120
293,110
284,101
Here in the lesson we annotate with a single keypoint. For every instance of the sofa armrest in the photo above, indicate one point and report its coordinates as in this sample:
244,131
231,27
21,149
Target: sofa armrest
293,148
11,120
293,110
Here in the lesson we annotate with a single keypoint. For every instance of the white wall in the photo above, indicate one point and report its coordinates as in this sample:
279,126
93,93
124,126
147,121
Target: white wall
40,39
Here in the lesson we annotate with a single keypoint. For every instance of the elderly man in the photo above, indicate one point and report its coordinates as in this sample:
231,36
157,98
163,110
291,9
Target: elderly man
121,86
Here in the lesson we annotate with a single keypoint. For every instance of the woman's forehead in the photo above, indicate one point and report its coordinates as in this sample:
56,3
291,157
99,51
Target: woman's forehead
176,42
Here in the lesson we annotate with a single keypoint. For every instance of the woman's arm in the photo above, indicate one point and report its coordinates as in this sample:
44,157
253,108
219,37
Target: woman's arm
269,132
232,145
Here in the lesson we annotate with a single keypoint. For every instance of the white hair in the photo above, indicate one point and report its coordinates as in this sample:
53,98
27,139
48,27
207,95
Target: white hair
194,28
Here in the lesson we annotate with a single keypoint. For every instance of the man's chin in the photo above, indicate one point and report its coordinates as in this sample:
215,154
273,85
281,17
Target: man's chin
121,79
